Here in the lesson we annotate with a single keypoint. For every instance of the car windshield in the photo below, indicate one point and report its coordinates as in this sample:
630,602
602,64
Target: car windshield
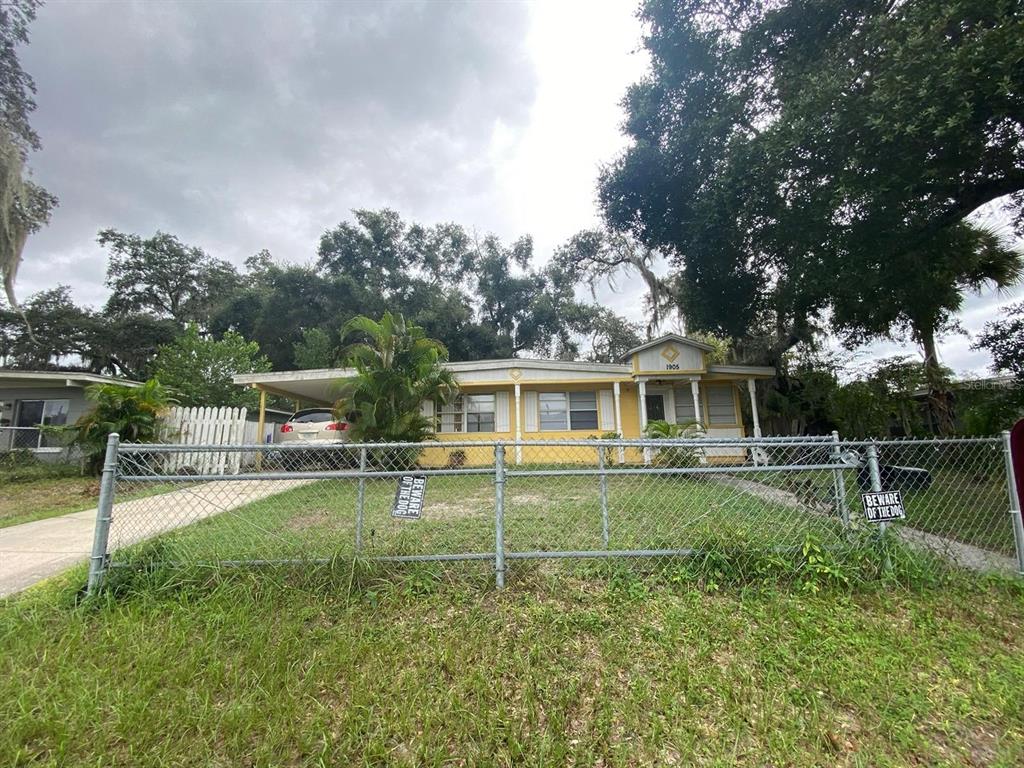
312,415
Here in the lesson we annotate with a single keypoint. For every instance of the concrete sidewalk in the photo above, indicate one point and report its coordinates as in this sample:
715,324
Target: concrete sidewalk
34,551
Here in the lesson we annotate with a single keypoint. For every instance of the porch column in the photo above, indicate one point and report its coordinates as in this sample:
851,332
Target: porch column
641,389
519,426
261,424
753,407
695,391
617,392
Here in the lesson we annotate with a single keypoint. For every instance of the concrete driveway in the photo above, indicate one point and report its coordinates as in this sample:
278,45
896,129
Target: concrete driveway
34,551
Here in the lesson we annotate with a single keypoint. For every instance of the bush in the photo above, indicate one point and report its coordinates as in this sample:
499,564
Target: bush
675,456
132,412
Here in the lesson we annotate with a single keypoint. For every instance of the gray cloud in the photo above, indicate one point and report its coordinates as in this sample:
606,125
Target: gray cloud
239,126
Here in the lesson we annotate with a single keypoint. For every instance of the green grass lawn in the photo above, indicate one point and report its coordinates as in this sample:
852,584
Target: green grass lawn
541,514
967,500
606,669
24,502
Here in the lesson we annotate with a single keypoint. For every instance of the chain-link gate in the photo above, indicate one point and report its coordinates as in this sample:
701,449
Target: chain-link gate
503,502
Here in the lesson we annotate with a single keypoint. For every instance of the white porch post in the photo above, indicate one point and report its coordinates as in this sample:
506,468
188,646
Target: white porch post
519,427
641,390
617,392
753,407
695,392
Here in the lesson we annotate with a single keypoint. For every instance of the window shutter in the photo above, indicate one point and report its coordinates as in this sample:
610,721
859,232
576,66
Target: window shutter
606,410
501,412
530,412
427,412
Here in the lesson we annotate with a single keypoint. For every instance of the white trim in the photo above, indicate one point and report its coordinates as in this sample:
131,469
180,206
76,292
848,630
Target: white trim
531,415
666,338
67,378
617,391
605,410
519,424
752,391
641,392
501,422
695,392
743,370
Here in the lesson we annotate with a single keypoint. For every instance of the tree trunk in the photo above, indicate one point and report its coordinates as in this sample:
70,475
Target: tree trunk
939,400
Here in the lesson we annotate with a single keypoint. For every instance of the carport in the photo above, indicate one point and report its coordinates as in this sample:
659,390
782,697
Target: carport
313,387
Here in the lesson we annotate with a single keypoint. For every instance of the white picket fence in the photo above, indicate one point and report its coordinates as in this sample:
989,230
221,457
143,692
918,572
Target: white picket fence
209,426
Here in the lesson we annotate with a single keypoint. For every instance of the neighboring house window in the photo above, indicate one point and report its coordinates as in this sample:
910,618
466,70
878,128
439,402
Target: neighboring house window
468,413
567,410
721,406
32,413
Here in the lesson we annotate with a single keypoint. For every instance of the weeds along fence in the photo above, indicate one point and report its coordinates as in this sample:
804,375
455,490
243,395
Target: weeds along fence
760,507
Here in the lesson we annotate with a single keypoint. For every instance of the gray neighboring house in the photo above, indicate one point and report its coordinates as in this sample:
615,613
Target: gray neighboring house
29,399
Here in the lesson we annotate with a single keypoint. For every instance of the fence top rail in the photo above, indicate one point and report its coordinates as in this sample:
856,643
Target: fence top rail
700,442
654,443
993,440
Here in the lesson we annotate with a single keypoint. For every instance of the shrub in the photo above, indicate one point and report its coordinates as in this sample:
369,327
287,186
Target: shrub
675,456
132,412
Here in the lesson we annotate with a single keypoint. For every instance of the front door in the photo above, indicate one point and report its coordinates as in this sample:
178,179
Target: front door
655,407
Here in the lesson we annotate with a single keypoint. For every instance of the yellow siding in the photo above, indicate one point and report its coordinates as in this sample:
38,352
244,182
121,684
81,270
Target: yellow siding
438,455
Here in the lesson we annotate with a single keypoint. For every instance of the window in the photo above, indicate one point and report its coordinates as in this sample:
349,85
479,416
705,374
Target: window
567,410
312,416
468,413
721,406
684,406
582,410
553,413
32,413
479,413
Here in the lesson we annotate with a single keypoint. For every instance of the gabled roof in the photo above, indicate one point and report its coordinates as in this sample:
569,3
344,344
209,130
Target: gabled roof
669,337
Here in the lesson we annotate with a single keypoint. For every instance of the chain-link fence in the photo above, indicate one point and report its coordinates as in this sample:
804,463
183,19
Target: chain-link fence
758,506
40,439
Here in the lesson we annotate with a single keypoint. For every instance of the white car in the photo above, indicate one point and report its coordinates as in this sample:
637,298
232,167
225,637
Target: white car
315,426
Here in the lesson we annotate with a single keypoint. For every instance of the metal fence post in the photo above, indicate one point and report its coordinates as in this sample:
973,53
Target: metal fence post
1015,519
839,481
104,512
360,501
499,515
876,487
604,494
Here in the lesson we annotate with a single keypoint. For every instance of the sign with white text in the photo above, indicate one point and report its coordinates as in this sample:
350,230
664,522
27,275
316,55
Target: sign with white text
409,497
883,507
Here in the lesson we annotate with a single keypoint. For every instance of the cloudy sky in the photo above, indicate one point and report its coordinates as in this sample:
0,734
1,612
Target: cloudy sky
246,125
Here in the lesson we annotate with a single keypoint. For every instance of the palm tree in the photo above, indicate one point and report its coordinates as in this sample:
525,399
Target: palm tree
397,368
135,413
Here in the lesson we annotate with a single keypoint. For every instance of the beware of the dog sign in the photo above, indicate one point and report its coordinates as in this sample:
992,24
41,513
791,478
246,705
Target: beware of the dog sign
409,497
883,507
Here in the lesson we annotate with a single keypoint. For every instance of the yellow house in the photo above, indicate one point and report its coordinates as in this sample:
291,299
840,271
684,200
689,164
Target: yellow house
523,400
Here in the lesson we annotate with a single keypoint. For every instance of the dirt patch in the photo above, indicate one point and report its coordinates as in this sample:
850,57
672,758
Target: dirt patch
457,509
313,518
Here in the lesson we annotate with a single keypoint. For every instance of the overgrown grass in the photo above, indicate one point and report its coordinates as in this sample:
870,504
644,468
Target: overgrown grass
24,502
541,514
347,668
